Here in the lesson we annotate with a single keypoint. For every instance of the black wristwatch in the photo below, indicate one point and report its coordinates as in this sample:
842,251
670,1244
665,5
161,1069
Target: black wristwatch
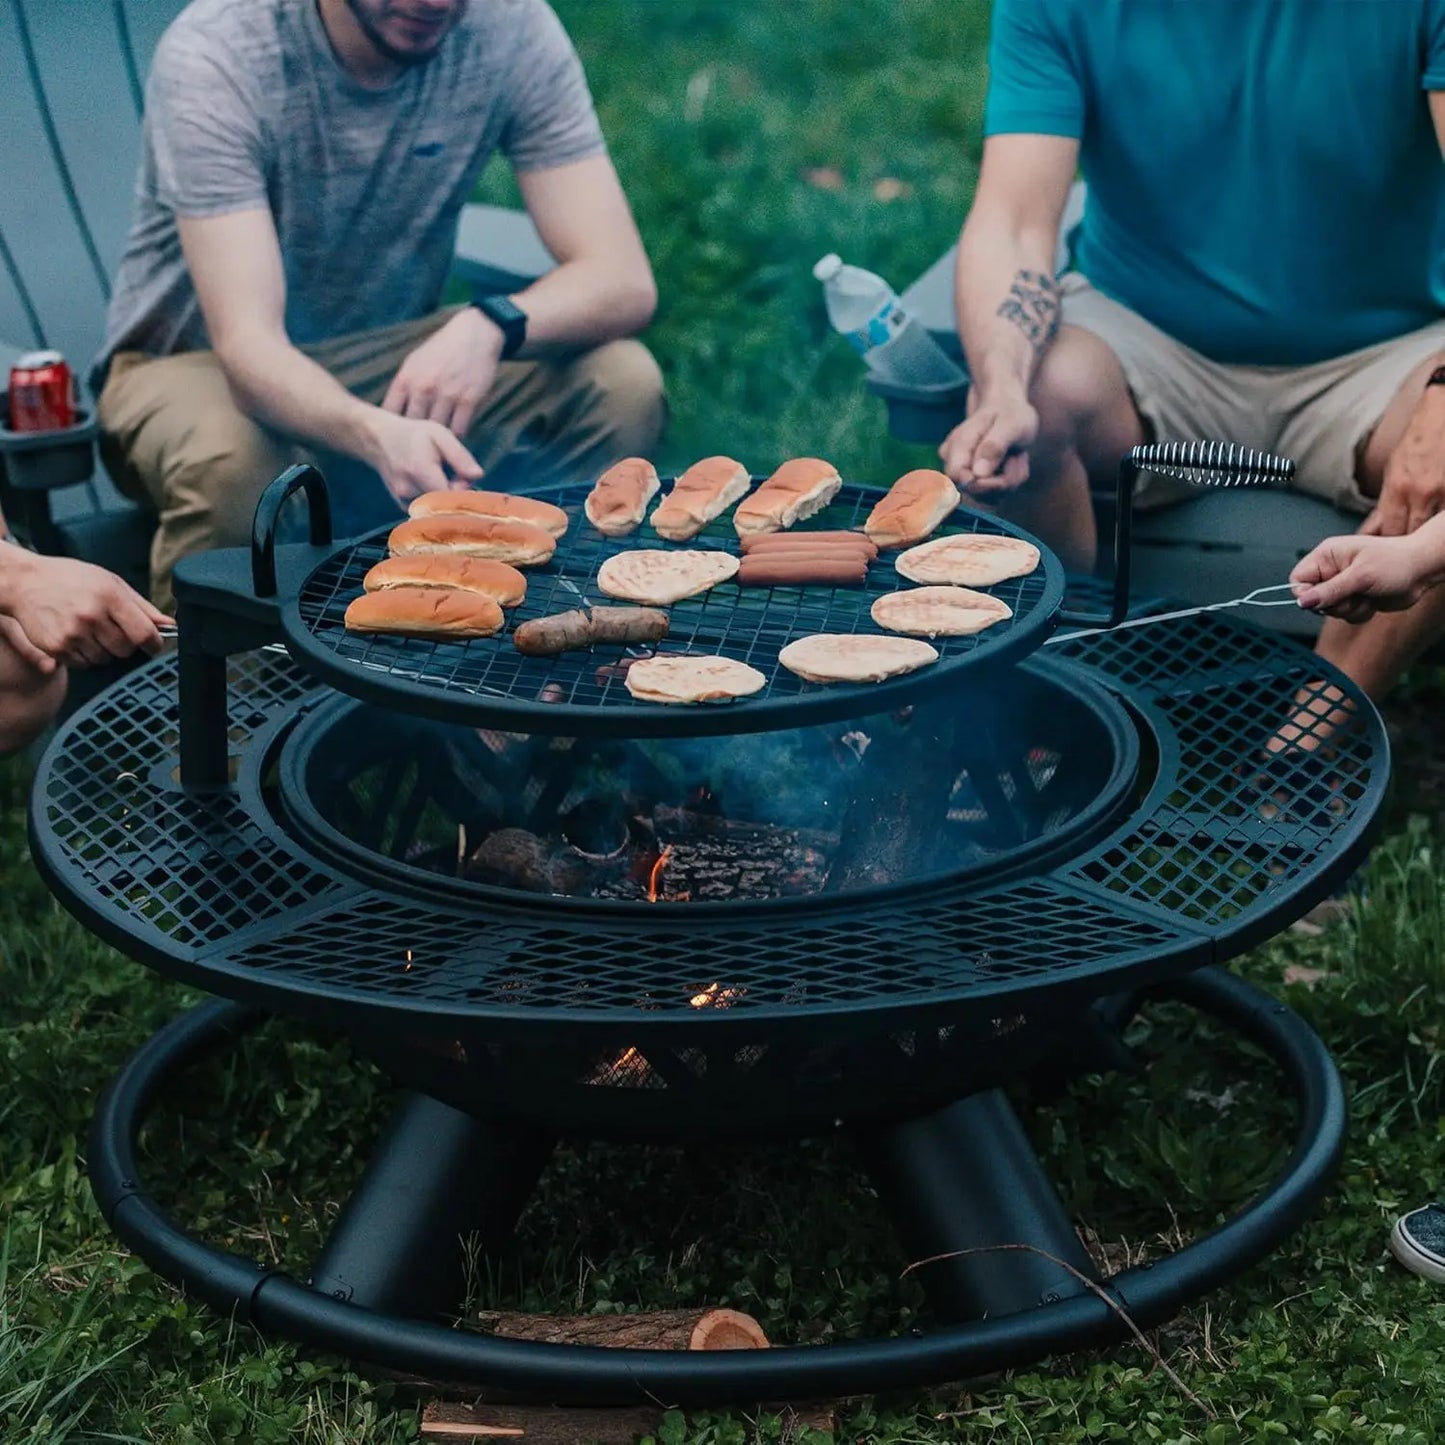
509,316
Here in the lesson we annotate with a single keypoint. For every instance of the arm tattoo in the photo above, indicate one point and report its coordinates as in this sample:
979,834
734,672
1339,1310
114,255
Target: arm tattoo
1032,304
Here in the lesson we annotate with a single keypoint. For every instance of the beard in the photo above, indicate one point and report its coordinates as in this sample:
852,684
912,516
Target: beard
365,14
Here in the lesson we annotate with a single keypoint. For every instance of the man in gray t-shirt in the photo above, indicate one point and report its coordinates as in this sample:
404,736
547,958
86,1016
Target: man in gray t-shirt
304,167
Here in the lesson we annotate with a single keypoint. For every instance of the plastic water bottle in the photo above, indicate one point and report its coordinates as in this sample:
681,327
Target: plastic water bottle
895,345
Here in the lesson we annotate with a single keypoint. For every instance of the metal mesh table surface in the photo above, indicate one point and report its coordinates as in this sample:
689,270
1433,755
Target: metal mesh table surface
1221,851
489,683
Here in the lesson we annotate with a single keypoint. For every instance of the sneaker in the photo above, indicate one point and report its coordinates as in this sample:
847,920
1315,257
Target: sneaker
1418,1242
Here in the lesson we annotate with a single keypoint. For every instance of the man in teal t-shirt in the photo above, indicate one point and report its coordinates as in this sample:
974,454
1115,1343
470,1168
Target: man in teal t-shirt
1260,261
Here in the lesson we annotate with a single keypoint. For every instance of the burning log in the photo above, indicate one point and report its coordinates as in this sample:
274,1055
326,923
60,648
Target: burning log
690,1329
514,857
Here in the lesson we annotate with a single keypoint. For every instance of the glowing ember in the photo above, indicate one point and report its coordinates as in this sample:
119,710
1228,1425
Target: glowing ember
408,961
655,877
714,996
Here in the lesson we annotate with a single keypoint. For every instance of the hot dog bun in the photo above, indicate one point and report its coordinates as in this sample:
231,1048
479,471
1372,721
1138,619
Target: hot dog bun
490,504
618,502
704,491
424,612
502,583
519,543
795,491
914,506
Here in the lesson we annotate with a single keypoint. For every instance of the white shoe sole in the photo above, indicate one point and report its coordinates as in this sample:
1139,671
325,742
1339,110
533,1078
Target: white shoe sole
1427,1266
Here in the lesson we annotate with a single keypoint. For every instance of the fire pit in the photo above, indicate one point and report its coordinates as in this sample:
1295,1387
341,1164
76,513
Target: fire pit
547,909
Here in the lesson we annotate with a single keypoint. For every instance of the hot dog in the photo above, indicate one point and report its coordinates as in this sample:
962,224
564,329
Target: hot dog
802,572
761,541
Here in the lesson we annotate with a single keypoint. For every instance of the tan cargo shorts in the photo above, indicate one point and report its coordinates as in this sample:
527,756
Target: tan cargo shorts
1321,415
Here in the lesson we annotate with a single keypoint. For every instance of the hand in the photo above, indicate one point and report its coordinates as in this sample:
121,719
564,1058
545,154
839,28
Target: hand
1352,578
413,457
989,452
1413,488
446,377
75,614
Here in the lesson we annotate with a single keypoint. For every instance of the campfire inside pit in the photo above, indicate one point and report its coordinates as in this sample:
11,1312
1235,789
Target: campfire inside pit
880,801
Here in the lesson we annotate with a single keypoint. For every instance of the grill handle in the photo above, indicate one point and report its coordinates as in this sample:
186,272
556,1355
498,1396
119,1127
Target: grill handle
1129,469
304,478
1201,464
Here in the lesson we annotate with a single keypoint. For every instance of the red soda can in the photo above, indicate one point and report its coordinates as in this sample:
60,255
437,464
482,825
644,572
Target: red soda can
42,393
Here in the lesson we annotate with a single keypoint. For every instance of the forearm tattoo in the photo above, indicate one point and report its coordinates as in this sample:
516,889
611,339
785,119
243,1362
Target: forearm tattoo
1032,305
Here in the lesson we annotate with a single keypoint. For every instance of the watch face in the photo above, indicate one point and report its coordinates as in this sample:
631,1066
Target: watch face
503,311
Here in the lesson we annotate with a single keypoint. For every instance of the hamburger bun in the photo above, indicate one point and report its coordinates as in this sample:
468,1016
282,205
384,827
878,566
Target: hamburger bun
458,503
497,580
844,657
939,611
659,578
684,679
795,492
618,502
968,559
497,538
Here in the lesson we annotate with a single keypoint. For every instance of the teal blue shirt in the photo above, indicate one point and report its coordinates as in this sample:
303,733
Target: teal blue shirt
1264,178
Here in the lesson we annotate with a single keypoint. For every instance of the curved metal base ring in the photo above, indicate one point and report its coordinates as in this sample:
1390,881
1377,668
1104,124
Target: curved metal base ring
569,1374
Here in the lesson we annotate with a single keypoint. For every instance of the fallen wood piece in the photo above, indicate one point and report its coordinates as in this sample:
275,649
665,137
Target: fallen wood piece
538,1425
716,1329
548,1425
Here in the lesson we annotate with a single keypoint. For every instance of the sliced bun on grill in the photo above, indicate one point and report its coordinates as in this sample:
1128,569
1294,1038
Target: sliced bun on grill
519,543
913,507
425,612
939,611
457,503
618,502
703,492
968,560
841,657
692,679
793,493
657,578
497,580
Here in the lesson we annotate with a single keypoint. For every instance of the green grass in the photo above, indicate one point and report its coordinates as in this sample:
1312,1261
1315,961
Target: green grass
717,112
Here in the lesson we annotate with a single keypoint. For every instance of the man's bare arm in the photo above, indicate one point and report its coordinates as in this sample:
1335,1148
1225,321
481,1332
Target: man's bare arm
1008,302
1007,299
603,286
601,289
235,264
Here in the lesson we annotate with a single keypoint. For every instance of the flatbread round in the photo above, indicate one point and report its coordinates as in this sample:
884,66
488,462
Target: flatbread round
939,611
657,578
844,657
692,679
968,560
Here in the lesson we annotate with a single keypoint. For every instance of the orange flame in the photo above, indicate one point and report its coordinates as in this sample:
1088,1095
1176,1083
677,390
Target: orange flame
714,996
655,877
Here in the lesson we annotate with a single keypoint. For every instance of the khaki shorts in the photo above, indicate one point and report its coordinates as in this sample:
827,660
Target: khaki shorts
1320,415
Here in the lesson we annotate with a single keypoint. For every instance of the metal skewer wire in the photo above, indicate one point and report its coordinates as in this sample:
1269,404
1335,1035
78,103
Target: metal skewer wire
1260,597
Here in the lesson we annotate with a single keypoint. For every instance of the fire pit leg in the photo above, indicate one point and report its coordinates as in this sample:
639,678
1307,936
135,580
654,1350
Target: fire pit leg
435,1176
966,1178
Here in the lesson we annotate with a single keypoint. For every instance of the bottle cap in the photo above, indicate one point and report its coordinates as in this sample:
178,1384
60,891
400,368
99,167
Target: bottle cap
828,267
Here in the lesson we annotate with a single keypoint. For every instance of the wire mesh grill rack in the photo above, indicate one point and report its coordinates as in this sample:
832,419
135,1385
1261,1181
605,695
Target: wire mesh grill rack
489,683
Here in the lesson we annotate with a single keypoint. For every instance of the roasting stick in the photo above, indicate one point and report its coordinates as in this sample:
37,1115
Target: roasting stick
1260,597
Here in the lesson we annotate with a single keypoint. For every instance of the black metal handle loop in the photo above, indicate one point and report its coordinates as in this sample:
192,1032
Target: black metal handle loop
303,477
1123,542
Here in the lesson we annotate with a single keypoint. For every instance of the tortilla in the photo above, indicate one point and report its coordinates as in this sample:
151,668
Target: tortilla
692,679
658,578
968,559
939,611
841,657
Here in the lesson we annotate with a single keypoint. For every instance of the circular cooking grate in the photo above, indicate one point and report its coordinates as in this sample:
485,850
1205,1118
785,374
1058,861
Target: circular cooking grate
487,682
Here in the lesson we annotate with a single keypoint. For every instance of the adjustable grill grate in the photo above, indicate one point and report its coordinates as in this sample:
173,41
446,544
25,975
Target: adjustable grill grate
488,680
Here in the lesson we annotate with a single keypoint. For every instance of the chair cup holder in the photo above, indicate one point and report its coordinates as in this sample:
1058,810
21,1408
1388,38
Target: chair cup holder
36,461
